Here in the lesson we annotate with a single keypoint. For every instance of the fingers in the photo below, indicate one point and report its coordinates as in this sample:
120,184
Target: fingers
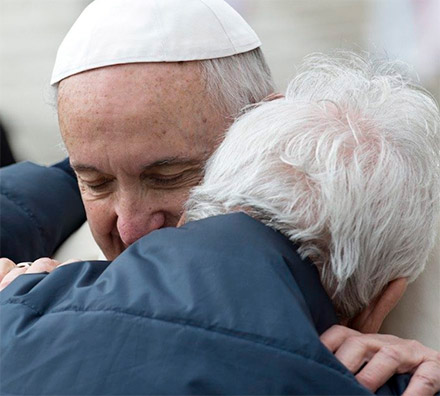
6,265
355,351
41,265
385,363
335,336
44,264
426,380
11,275
348,345
385,356
358,349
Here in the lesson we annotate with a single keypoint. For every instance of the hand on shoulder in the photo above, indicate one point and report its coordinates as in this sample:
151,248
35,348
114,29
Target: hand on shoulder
375,358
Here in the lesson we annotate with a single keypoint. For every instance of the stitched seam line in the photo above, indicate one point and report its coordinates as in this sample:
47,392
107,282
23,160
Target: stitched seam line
176,321
12,198
220,23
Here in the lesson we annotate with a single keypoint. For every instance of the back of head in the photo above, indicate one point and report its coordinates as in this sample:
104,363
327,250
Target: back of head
347,165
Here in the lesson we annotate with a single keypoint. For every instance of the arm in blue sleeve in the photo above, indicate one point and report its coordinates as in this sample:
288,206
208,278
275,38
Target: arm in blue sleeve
39,208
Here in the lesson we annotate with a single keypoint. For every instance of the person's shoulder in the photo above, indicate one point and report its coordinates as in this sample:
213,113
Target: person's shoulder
41,206
209,335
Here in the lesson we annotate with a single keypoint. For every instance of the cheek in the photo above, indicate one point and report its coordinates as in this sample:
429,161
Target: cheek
173,201
101,217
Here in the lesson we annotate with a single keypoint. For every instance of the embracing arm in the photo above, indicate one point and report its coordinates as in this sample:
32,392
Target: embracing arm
39,208
375,358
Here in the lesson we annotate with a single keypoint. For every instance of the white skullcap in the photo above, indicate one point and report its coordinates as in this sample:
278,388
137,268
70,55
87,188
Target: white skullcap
111,32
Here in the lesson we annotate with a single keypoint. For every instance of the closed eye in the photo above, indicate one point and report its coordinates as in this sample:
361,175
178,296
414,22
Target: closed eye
98,187
186,178
162,180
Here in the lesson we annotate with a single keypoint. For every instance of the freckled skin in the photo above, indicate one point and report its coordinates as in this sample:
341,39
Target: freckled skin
118,120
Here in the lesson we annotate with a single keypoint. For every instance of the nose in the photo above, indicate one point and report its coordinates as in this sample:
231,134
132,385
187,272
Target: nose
134,224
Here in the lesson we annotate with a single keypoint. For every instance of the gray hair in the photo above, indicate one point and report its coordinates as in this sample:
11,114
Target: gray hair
233,82
346,165
237,81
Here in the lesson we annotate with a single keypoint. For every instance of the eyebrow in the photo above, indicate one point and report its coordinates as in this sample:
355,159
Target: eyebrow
171,161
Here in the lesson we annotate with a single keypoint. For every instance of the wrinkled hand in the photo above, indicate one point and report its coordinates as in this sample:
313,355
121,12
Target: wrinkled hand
9,270
385,356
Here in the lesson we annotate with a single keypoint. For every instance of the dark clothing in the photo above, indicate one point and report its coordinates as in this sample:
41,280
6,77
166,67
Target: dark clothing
6,156
39,208
220,306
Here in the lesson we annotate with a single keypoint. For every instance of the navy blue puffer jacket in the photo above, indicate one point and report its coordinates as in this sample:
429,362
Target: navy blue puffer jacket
219,306
39,208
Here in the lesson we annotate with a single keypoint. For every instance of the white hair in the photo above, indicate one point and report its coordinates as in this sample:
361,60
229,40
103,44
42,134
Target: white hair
237,81
346,165
232,83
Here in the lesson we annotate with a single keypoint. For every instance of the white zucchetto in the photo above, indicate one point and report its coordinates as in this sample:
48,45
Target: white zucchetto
111,32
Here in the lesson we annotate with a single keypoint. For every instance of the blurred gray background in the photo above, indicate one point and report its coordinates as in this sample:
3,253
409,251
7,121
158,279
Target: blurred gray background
31,30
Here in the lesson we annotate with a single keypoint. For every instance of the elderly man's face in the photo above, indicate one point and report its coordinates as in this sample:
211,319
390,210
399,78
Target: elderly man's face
138,136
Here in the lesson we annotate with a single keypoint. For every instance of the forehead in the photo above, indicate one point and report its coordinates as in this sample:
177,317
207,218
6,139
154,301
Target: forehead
143,103
147,89
139,77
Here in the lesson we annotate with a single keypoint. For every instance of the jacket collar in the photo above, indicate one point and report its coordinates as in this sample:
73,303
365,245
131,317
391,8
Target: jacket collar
304,272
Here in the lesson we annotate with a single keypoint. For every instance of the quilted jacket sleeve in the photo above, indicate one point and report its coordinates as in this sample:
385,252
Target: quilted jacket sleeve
39,208
51,345
205,309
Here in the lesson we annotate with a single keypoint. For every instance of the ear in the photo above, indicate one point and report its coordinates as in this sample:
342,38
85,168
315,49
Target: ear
371,318
273,96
